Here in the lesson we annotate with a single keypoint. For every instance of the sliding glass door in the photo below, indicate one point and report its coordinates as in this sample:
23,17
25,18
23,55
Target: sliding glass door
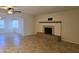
9,26
2,26
15,26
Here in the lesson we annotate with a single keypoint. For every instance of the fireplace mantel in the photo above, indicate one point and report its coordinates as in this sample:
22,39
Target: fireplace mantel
50,22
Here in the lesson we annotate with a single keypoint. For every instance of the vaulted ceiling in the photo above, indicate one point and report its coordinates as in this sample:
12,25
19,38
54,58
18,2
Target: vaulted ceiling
38,10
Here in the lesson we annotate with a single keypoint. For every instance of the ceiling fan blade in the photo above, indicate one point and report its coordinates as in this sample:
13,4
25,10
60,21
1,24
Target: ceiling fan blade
10,9
17,11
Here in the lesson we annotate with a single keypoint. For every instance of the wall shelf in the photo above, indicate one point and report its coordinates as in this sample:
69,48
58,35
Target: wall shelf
50,22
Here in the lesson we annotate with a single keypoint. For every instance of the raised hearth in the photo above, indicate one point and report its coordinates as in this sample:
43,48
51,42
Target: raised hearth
47,36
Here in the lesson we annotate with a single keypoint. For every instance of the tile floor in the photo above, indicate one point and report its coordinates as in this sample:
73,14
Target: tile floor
17,44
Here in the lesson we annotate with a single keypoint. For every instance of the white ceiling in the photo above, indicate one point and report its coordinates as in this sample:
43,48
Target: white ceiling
38,10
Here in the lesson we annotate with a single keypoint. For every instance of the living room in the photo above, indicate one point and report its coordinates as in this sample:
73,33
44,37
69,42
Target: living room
40,28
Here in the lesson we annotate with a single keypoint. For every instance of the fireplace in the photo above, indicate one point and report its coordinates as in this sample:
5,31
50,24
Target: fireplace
49,30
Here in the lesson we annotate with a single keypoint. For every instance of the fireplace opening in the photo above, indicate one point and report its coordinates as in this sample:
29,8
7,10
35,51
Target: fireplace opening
48,30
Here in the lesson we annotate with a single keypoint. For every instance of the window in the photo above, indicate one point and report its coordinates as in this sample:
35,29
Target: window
15,23
1,23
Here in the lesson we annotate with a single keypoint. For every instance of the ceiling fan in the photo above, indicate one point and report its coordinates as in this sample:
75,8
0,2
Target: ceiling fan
10,9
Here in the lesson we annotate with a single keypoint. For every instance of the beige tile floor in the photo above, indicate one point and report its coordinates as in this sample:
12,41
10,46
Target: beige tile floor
13,43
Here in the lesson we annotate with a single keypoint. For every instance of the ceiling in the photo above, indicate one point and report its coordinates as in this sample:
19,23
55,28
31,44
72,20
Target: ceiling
38,10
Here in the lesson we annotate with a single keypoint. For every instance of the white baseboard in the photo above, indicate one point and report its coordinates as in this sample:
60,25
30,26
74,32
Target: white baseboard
26,34
70,41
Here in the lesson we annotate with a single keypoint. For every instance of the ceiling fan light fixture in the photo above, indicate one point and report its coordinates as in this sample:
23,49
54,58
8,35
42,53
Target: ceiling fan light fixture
10,10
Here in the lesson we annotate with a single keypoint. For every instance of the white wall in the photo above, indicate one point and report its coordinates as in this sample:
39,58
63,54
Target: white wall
28,24
70,28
